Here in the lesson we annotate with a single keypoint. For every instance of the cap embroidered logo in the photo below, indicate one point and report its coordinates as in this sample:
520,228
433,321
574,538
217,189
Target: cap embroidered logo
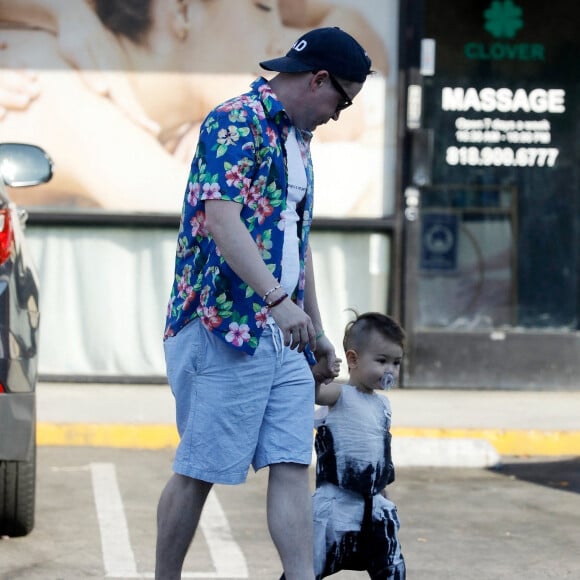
330,49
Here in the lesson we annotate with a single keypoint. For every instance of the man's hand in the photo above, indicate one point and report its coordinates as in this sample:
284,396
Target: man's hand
327,366
295,325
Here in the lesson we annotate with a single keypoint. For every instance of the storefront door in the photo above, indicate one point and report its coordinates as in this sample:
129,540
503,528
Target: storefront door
491,194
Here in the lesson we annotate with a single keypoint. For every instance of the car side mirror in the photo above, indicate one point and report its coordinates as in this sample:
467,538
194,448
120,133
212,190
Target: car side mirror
23,165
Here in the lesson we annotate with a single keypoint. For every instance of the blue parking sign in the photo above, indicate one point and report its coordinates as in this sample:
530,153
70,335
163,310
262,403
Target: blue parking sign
438,241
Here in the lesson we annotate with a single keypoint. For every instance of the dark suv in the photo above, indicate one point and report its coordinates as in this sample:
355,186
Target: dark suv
21,165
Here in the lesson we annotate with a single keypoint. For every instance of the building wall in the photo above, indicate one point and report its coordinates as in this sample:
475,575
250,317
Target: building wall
104,288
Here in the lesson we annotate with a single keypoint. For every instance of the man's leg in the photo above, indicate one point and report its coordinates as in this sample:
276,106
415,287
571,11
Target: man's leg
290,519
178,514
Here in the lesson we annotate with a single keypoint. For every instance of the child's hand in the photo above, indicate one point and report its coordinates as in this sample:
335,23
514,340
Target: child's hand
323,373
328,365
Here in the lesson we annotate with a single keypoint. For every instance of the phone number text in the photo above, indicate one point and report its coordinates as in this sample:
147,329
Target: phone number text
502,156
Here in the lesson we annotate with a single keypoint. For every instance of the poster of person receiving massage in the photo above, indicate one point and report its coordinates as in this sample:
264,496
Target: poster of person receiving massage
115,92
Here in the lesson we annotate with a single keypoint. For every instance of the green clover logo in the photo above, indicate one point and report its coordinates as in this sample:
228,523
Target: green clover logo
503,19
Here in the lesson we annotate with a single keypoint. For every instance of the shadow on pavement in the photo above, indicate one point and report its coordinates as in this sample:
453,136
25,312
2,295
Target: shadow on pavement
563,474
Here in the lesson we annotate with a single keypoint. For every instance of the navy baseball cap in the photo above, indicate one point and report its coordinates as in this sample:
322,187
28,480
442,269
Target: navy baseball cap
330,49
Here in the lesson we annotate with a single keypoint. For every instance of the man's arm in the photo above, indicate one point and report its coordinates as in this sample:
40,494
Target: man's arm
239,250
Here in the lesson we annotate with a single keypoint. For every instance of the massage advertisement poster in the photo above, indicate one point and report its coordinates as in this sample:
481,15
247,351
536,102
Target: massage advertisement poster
115,93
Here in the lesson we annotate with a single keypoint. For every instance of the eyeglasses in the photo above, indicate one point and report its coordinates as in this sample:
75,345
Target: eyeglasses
347,102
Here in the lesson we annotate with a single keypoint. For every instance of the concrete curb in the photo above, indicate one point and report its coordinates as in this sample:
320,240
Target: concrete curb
425,452
411,446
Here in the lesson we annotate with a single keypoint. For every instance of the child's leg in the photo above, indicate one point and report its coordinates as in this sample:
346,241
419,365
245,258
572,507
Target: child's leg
385,559
346,554
397,573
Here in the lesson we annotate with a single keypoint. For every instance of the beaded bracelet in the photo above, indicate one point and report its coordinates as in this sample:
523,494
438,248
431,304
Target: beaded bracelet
319,335
270,291
277,301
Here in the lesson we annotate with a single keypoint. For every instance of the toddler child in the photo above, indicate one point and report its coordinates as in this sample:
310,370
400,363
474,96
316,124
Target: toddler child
355,524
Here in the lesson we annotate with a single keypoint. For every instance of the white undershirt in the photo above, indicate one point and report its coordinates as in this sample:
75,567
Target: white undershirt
296,191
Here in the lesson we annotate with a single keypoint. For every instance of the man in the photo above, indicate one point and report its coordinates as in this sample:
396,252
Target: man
243,320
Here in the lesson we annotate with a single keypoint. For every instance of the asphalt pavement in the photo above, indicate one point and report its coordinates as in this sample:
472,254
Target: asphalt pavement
454,428
487,488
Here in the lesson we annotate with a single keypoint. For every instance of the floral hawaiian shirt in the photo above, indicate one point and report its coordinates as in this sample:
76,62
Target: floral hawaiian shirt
240,157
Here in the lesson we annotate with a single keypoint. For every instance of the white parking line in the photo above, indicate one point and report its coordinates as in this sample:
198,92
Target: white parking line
226,554
118,557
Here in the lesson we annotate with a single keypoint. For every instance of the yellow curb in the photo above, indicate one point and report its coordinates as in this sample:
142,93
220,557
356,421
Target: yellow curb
110,435
506,442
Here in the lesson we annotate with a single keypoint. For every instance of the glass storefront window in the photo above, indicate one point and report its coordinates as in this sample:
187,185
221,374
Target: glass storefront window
467,264
501,102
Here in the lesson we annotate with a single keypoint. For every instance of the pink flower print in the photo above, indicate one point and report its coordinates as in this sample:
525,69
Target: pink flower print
264,246
197,224
238,334
261,317
250,193
245,189
210,317
257,188
258,109
228,136
263,210
204,295
191,294
245,164
193,193
265,90
233,104
234,176
229,106
226,107
271,135
183,286
211,191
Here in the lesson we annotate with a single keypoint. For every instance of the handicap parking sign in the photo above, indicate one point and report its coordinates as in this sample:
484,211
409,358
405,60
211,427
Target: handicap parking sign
438,241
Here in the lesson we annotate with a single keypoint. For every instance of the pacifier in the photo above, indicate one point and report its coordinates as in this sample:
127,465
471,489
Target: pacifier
387,381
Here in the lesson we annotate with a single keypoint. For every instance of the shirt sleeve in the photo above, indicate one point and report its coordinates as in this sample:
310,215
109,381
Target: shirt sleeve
226,156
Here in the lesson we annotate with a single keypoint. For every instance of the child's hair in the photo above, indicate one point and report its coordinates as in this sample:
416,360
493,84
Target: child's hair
358,331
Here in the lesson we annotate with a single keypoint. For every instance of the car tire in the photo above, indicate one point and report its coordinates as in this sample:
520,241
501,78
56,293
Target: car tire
17,496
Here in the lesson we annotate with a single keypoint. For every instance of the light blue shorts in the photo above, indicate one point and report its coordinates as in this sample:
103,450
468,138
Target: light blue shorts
234,410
